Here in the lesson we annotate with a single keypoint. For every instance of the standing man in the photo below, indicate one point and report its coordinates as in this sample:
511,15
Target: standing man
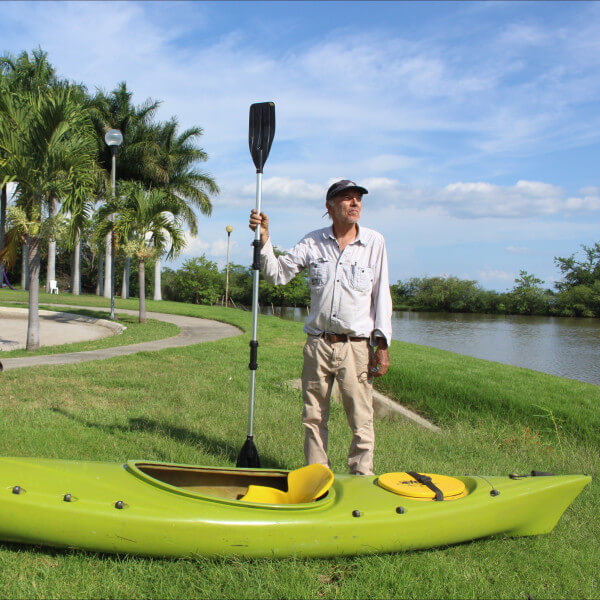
349,327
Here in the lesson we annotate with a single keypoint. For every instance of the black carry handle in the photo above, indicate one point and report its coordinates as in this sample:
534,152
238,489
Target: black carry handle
261,132
426,481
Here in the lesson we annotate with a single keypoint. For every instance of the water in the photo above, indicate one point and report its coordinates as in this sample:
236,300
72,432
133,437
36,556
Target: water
568,347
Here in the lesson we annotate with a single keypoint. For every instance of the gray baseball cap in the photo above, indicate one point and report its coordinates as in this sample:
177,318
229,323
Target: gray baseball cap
340,186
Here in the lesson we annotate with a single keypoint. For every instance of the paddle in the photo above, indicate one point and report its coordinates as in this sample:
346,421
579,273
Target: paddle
260,138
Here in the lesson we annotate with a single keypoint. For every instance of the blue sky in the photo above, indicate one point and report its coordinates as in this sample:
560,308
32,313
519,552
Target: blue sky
475,126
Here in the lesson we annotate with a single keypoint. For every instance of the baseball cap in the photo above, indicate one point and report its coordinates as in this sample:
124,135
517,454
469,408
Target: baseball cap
340,186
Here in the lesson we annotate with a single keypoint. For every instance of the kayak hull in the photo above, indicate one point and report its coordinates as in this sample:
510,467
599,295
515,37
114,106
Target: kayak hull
107,507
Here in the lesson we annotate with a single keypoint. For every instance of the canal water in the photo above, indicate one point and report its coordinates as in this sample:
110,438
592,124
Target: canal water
569,347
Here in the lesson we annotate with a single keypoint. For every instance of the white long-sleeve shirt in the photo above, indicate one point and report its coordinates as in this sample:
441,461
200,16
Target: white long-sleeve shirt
349,290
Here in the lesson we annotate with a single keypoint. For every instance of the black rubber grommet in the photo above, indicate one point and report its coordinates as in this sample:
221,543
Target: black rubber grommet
67,498
356,513
119,504
400,510
17,489
494,493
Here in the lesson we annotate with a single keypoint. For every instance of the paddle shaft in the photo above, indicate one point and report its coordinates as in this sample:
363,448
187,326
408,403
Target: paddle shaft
255,286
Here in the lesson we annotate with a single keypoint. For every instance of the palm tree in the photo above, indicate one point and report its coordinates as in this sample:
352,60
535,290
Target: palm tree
79,205
25,74
186,184
137,155
47,140
143,222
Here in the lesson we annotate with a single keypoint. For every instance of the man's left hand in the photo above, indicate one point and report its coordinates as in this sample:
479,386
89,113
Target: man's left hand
380,362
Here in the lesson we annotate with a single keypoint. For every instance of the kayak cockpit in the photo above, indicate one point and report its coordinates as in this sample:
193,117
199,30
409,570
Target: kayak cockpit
259,486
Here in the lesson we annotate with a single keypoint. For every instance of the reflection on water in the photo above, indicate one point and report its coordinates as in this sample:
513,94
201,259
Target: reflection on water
568,347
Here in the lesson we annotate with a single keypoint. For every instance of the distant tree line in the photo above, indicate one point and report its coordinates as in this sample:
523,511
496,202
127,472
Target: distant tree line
577,295
200,281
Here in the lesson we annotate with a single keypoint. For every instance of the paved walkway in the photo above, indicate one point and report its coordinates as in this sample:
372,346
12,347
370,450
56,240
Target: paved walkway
193,331
55,327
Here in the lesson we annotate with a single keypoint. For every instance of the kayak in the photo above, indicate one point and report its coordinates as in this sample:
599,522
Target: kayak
161,509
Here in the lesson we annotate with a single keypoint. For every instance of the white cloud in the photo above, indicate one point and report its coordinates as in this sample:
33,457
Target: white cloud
287,190
494,275
464,200
194,245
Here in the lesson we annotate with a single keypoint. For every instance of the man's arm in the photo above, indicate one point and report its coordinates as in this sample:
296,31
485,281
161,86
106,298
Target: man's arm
382,307
277,270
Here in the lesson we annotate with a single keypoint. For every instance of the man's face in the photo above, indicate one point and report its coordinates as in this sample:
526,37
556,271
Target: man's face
345,208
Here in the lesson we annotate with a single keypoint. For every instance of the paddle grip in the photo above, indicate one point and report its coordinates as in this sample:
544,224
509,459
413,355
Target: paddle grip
253,355
256,255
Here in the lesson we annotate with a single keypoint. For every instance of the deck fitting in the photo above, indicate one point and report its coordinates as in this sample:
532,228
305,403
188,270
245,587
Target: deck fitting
17,489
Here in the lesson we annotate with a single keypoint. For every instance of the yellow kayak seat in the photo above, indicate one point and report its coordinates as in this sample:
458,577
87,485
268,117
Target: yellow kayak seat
304,485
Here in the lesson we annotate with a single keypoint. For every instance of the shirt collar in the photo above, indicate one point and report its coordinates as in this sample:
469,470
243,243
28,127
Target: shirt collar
359,239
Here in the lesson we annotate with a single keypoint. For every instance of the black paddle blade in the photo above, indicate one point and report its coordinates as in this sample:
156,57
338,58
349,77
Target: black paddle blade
261,132
248,456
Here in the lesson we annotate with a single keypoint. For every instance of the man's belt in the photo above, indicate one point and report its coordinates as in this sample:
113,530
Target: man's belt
342,337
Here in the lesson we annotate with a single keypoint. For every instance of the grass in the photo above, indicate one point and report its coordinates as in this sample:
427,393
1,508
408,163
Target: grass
190,405
134,334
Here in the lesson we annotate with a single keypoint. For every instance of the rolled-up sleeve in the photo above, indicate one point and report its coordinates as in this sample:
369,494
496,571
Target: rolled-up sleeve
280,270
381,299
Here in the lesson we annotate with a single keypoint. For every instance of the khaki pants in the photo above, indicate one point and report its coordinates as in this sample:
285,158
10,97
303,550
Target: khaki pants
348,362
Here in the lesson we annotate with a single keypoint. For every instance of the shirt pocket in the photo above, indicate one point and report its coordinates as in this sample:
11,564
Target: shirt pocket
318,272
361,278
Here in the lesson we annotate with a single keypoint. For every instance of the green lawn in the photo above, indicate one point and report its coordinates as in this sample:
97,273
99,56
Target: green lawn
190,405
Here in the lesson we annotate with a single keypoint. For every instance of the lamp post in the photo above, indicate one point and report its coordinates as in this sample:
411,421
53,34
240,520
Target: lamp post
228,229
113,139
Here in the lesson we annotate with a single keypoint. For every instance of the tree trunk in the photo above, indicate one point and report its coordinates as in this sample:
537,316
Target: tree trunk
157,282
51,265
3,204
142,282
76,268
33,323
25,266
108,266
126,277
100,282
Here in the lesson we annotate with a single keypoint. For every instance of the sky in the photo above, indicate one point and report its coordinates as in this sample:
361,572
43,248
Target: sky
475,126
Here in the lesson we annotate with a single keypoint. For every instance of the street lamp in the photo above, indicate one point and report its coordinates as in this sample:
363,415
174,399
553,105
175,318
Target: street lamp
113,139
228,229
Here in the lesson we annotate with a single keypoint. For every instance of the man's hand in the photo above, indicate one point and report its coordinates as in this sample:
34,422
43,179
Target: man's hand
380,361
263,221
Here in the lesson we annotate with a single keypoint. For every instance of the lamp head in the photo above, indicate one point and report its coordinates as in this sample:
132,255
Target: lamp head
113,137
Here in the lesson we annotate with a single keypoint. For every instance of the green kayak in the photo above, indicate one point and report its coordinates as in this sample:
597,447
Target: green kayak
183,510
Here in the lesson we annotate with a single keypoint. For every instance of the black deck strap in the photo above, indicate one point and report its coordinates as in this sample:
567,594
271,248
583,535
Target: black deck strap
426,480
253,355
256,256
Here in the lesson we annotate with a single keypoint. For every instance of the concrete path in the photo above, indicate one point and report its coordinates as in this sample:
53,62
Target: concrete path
55,327
193,331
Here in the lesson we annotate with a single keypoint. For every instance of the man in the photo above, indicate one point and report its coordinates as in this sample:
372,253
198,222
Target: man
350,322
